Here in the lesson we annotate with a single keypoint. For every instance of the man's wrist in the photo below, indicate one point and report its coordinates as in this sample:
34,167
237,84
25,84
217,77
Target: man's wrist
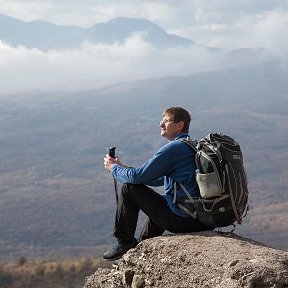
114,164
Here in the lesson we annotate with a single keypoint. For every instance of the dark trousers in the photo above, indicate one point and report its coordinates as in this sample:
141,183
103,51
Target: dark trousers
132,199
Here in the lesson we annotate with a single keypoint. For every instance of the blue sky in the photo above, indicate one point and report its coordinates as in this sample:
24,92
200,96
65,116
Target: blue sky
255,24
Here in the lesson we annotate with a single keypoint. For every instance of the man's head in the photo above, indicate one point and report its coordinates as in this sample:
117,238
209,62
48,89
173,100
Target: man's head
175,120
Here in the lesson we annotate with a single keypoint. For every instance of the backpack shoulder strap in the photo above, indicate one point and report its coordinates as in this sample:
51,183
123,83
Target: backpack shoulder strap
190,142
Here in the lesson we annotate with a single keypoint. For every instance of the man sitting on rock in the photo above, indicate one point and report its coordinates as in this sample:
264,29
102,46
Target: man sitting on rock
172,163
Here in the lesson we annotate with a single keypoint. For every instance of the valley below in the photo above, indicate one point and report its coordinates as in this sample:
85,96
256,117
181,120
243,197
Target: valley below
56,200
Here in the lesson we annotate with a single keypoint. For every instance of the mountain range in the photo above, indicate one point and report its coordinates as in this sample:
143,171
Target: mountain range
44,35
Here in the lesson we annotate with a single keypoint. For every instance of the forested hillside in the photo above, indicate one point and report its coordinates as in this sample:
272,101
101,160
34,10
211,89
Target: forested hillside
56,200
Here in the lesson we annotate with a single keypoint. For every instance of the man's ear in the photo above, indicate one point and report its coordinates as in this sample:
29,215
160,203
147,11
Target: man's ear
180,125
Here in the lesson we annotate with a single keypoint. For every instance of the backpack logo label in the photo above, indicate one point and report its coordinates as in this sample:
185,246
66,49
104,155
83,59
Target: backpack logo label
236,157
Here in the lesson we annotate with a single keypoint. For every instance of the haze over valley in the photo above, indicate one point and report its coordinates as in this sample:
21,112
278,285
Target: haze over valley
55,195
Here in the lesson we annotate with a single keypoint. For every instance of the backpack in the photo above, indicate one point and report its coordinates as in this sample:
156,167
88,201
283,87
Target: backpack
222,182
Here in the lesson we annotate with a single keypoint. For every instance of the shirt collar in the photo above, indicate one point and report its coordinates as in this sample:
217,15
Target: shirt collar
181,135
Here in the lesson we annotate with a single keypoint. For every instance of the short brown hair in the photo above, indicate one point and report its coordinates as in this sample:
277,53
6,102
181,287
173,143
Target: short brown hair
179,114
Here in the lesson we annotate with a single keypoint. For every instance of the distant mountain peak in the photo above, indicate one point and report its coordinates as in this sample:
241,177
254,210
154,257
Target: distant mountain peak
45,35
138,22
120,28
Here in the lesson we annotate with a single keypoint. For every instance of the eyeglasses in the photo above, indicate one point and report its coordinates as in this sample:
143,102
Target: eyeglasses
165,121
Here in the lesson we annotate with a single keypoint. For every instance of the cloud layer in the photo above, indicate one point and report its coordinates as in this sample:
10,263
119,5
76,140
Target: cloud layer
260,25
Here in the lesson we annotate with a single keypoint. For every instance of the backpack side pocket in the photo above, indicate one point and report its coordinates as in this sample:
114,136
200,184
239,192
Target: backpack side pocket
209,185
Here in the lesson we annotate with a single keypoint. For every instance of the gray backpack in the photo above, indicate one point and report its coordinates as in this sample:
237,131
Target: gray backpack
222,182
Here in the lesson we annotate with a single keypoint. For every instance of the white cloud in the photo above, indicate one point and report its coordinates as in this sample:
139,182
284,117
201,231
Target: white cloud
271,31
21,67
264,30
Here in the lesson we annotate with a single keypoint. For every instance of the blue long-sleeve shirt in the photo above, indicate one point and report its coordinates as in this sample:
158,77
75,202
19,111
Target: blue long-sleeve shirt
174,161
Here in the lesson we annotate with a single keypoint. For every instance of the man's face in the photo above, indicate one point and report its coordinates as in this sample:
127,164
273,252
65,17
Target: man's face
169,128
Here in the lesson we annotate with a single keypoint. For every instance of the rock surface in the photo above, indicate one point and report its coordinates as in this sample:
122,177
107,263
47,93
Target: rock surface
206,259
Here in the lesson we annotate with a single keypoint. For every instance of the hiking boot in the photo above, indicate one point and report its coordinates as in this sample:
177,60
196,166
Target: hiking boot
119,249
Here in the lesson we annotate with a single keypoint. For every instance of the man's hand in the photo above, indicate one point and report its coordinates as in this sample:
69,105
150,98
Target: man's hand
109,161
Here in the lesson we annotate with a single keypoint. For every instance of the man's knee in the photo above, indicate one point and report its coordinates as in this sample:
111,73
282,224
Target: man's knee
129,187
126,190
131,191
